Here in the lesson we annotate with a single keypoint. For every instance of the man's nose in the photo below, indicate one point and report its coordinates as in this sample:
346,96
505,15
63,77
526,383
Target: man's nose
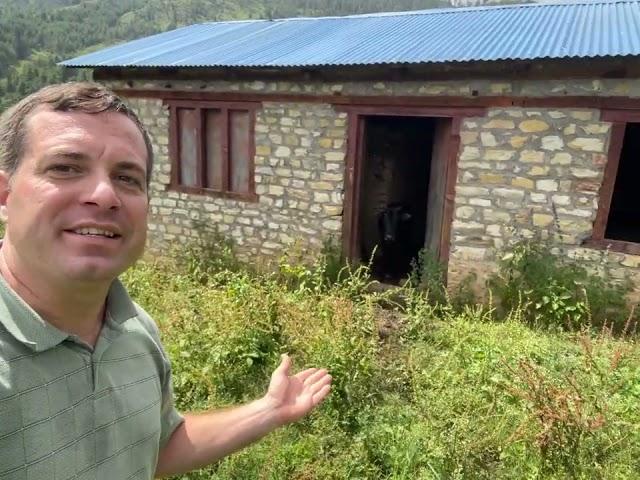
101,192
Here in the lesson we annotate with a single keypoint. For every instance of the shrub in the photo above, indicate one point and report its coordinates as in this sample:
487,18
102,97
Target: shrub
209,254
556,292
428,274
327,271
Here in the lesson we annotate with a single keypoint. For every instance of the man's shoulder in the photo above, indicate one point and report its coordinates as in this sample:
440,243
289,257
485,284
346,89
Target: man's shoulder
144,318
143,321
11,348
11,351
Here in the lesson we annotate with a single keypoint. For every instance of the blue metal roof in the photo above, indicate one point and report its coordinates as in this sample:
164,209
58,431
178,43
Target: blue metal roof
584,29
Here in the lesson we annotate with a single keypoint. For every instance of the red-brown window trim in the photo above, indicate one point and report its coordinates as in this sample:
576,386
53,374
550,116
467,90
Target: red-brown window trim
619,120
174,147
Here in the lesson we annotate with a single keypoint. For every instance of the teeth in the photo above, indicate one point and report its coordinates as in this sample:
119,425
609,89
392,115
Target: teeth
94,231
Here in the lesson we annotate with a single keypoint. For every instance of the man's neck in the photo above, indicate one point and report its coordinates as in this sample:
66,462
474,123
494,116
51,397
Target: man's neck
75,309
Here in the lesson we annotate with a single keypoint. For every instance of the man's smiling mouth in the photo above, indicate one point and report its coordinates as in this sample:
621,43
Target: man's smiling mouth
95,232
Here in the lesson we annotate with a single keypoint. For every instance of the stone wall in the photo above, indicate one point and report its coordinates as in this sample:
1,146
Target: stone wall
470,88
521,171
299,172
531,173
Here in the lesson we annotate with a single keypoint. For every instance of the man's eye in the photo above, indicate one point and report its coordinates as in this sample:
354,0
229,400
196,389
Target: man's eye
63,169
129,180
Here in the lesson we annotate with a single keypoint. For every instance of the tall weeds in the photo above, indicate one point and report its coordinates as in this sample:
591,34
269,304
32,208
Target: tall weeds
423,388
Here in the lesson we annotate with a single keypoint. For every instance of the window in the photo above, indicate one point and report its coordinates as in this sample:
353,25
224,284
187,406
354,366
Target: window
212,148
617,224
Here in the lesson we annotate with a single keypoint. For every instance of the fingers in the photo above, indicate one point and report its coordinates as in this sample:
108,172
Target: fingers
318,385
303,375
316,376
313,379
320,395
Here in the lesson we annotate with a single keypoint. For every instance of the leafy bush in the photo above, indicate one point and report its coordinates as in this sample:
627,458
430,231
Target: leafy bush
326,272
428,275
556,292
209,254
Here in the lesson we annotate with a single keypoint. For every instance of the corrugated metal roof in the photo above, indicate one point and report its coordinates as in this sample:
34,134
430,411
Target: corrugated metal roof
583,29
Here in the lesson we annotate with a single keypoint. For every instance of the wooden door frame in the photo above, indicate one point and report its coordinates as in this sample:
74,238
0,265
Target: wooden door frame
356,117
619,120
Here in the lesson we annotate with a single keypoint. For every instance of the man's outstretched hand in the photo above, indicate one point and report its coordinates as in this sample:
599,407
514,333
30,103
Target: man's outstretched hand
205,438
294,396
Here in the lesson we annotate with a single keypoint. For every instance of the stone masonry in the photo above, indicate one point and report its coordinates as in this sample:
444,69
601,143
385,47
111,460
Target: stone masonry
521,171
526,173
299,171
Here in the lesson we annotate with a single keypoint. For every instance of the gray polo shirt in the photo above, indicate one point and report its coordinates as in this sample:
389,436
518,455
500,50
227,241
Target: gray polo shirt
68,411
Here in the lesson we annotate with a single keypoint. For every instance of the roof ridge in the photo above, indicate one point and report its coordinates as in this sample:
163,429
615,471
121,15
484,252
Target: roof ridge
531,4
433,11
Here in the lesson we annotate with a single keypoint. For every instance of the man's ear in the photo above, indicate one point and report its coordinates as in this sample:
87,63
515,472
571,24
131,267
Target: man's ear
5,189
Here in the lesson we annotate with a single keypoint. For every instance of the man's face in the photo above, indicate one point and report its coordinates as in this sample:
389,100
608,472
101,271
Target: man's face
77,204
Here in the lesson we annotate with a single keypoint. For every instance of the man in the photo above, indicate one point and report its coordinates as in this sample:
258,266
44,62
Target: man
85,385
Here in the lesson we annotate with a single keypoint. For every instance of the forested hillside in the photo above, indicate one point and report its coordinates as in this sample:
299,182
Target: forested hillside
36,34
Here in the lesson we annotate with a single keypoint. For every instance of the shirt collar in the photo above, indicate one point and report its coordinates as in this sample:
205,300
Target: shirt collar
33,331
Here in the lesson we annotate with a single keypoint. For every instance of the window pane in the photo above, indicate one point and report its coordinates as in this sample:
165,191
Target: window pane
239,150
215,166
188,125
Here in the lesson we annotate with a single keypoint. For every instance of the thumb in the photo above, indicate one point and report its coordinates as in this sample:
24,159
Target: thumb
284,367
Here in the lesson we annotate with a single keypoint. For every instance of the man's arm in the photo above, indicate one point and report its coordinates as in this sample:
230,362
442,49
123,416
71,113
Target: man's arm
204,438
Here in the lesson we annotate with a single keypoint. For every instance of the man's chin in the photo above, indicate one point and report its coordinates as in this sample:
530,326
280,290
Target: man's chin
93,271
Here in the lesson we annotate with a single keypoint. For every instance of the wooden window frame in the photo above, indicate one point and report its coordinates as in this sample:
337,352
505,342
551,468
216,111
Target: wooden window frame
619,120
174,147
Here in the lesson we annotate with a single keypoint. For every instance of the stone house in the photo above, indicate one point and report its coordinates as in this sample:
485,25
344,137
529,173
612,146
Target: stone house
491,123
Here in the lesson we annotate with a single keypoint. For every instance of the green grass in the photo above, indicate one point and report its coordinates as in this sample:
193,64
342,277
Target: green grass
442,393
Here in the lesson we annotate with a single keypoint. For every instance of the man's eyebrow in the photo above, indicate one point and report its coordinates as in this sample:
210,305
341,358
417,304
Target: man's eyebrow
69,156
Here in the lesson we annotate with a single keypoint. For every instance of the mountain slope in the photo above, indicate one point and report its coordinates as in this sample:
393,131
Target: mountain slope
36,34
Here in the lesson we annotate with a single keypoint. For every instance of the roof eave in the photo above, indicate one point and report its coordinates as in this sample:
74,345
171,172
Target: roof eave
600,67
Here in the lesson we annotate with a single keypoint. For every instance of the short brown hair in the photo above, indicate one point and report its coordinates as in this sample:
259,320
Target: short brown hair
84,97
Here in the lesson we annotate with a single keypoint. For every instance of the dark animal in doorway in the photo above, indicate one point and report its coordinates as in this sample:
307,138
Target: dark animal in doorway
395,229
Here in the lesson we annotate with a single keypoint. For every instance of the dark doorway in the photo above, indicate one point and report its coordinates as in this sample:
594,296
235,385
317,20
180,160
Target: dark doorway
624,215
394,191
